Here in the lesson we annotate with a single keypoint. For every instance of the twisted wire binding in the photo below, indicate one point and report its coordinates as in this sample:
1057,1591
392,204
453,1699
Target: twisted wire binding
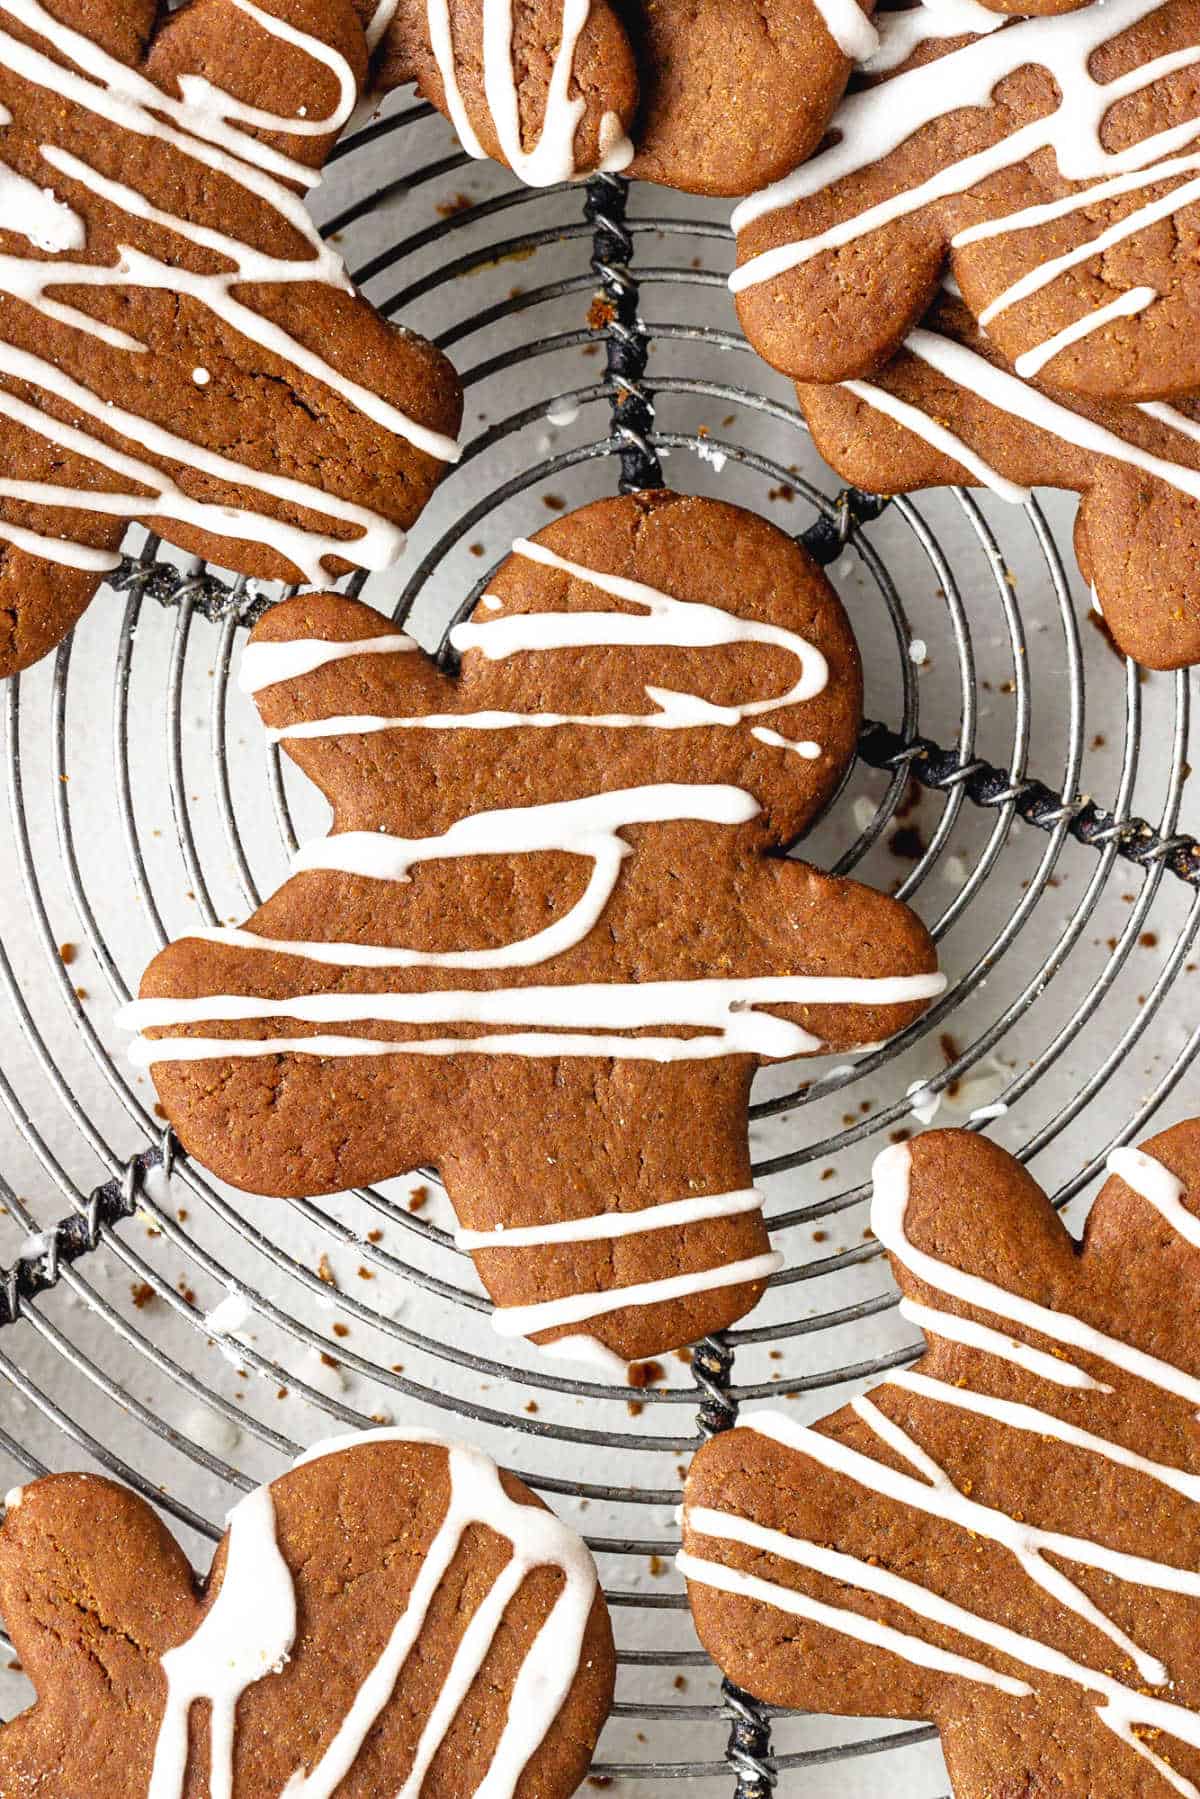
628,346
627,343
68,1241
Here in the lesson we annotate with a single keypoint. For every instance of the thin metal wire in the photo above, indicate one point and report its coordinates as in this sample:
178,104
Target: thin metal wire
223,1248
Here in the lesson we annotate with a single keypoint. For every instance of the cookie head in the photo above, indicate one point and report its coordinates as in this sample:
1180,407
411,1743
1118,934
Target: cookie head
948,408
1001,1539
395,1614
556,898
735,93
177,344
1050,162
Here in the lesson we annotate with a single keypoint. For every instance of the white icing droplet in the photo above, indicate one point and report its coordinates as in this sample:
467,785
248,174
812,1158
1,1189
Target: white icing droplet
201,377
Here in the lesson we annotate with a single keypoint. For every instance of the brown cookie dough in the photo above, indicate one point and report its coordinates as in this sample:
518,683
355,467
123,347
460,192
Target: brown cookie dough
948,408
405,1574
176,344
606,880
1001,1539
564,129
1060,214
735,93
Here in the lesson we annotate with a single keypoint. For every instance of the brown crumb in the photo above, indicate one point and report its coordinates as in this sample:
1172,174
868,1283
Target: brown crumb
325,1272
601,313
644,1374
418,1199
142,1294
460,203
340,1330
68,952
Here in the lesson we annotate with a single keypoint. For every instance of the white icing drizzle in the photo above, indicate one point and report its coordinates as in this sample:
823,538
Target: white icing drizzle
584,827
1044,1424
900,33
573,1308
1172,417
552,158
934,432
1028,1545
806,749
381,19
873,122
1158,1187
849,27
247,1632
602,1226
538,1539
1008,393
1135,300
36,212
850,1571
203,125
560,1017
684,624
974,1335
378,546
888,1208
1120,1710
263,664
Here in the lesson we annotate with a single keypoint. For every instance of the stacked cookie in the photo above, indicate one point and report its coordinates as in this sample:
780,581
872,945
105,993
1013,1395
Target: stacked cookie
988,275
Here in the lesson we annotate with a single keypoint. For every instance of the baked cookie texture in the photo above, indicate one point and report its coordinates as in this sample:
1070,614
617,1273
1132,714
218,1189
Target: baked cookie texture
735,93
395,1614
1003,1538
713,97
549,87
1051,163
948,408
177,345
561,935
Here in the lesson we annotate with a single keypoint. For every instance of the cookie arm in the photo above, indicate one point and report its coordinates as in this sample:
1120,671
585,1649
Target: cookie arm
804,922
93,1590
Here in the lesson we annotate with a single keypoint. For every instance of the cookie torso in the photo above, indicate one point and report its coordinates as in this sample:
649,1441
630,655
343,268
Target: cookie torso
394,1615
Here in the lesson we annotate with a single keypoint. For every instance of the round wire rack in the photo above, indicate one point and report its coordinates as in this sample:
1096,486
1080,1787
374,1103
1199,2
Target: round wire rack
189,1339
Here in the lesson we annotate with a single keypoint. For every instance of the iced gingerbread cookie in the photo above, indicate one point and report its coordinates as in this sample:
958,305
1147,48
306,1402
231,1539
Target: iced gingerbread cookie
1054,161
549,87
735,93
549,941
948,408
177,344
715,98
396,1615
1003,1538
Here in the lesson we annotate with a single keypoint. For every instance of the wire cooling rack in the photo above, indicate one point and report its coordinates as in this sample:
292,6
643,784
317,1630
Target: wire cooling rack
190,1339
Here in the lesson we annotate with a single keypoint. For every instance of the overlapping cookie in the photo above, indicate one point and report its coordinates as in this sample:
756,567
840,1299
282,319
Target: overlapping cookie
1055,161
395,1615
949,409
548,942
715,98
1002,1539
549,87
177,345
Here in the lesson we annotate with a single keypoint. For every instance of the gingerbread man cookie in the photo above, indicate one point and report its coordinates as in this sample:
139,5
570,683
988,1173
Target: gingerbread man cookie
548,933
549,87
177,344
949,409
715,98
1055,162
396,1615
1003,1538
